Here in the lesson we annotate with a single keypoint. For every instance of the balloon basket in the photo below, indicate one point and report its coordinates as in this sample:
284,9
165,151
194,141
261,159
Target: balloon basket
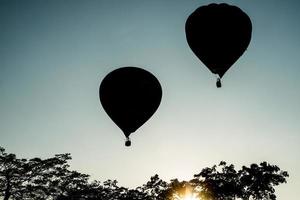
127,142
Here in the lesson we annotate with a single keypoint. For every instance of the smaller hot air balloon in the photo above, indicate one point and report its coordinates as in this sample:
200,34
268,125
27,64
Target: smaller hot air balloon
218,34
130,96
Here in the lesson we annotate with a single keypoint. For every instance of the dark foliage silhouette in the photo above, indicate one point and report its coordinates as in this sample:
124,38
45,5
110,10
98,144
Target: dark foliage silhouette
256,181
51,179
130,96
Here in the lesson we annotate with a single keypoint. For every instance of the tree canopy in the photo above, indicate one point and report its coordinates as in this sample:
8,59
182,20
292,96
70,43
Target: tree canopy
52,179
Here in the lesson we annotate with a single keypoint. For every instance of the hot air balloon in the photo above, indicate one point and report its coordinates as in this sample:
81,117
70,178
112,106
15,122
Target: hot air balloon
218,34
130,96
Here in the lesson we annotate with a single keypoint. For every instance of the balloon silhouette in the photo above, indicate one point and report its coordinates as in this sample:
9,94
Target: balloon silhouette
218,34
130,96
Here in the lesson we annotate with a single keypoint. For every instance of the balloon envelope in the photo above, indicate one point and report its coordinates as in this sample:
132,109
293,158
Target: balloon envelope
130,96
218,34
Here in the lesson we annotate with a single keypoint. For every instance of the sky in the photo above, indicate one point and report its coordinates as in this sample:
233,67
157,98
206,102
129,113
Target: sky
54,54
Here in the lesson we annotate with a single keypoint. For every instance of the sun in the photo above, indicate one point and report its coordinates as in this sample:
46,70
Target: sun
190,197
187,196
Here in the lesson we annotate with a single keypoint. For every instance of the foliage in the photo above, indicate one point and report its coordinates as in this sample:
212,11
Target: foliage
51,179
256,182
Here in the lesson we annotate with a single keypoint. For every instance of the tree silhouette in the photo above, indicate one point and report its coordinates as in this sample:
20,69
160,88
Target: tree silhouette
256,182
51,179
155,188
12,172
39,178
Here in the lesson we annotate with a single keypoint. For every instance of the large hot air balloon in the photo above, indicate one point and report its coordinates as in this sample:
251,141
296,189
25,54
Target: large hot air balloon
218,34
130,96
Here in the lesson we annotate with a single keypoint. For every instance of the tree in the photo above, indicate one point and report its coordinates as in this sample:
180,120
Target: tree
37,178
218,184
155,188
51,179
256,182
11,175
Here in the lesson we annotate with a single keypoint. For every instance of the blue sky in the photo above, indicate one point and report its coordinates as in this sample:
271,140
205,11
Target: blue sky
54,54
